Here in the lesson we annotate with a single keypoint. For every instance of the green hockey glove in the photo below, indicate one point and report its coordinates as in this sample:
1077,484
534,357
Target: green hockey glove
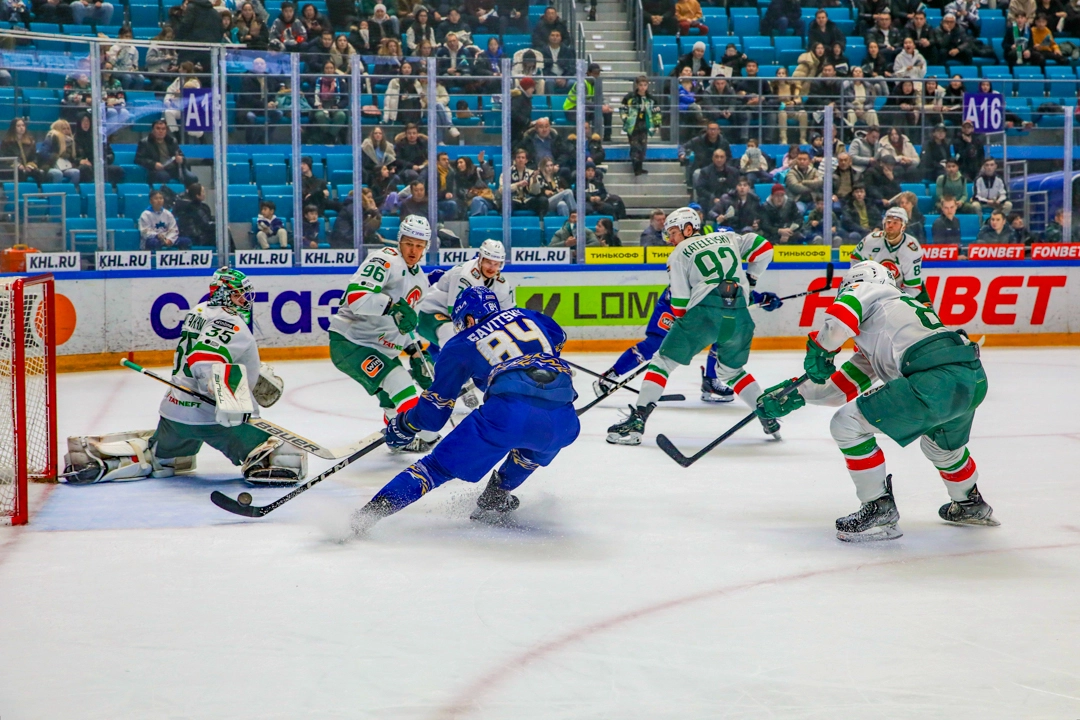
818,362
403,316
774,404
422,369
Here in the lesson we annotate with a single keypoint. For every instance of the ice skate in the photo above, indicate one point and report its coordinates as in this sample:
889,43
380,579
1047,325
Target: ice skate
714,391
605,384
629,431
875,520
494,504
973,511
418,445
365,518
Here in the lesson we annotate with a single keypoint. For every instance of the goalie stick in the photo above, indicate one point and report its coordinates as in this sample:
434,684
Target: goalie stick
663,398
673,452
297,441
827,286
225,502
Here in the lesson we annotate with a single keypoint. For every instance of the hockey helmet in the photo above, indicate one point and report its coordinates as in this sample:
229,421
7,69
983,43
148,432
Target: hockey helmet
896,213
475,302
680,219
493,250
867,271
231,290
415,226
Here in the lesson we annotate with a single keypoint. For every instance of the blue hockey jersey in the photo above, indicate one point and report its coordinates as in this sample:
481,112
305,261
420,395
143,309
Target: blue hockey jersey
502,356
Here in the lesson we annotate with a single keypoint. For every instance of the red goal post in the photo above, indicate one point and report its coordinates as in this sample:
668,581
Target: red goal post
27,390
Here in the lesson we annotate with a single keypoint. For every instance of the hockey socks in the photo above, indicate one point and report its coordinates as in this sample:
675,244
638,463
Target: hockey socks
956,467
409,485
744,385
515,470
866,464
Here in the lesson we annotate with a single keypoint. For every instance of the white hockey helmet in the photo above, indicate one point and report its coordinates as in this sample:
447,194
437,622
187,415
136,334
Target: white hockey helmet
493,250
415,226
680,219
867,271
897,212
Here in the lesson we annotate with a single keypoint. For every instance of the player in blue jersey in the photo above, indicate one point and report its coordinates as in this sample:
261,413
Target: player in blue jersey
528,409
712,388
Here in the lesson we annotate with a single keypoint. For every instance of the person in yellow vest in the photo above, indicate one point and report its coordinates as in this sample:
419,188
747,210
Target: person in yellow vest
570,104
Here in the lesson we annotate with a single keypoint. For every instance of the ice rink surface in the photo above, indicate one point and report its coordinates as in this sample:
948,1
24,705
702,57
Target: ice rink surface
629,588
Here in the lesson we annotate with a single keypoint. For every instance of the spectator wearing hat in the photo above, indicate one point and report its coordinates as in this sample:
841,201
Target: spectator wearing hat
969,151
598,200
695,60
521,109
814,227
935,152
881,181
780,218
592,100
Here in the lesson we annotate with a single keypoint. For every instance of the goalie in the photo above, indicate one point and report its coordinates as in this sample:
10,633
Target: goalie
218,357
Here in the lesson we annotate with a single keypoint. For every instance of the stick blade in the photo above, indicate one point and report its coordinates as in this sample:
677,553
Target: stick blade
677,397
673,452
225,502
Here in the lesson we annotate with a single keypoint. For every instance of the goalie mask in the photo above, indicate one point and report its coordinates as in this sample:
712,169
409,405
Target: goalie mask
231,289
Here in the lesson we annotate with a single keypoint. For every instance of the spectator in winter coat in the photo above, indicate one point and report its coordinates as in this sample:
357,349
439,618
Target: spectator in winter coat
889,39
990,190
824,31
521,109
780,16
916,224
689,16
1018,44
287,32
566,236
780,219
921,34
195,222
453,24
953,184
969,151
659,14
559,60
996,231
859,218
753,163
1020,231
548,22
1055,230
201,23
160,155
951,43
946,229
803,181
598,200
909,62
157,227
935,153
741,211
411,150
717,181
695,60
881,181
897,146
653,234
377,151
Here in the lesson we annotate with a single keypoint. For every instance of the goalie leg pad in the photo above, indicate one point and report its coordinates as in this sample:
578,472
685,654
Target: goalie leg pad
275,464
107,458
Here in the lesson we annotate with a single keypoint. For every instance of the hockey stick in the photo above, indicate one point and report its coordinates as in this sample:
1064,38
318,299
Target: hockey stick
236,507
297,441
673,452
613,390
827,286
663,398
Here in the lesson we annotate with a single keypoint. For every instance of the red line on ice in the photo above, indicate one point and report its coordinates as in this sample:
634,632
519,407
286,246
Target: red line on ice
468,699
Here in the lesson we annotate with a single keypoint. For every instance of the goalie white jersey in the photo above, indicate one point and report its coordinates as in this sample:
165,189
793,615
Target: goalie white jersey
444,293
210,334
698,264
903,261
380,281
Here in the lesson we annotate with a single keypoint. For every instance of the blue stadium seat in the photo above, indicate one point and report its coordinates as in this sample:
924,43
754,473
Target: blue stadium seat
280,189
969,226
145,15
242,204
745,26
739,12
993,28
239,173
270,173
788,42
126,239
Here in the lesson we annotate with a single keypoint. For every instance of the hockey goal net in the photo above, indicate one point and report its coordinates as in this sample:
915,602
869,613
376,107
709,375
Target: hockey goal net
27,391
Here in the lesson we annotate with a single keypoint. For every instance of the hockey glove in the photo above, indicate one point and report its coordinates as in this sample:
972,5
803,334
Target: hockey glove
768,301
403,316
818,362
399,432
422,369
774,404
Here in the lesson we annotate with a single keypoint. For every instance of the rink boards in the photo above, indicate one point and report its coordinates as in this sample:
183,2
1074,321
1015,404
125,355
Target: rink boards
105,313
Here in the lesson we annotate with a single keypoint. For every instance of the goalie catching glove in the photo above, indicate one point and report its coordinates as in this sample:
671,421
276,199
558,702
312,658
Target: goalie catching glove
818,362
268,388
773,403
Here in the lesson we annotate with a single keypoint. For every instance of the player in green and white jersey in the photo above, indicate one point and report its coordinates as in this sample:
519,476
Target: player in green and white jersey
375,324
710,294
216,356
933,382
899,252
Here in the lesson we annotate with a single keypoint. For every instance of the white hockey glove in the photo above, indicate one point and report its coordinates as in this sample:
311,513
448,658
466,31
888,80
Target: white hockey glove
269,387
230,389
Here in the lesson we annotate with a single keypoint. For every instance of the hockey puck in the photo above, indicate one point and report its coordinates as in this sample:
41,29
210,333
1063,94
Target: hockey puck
244,499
